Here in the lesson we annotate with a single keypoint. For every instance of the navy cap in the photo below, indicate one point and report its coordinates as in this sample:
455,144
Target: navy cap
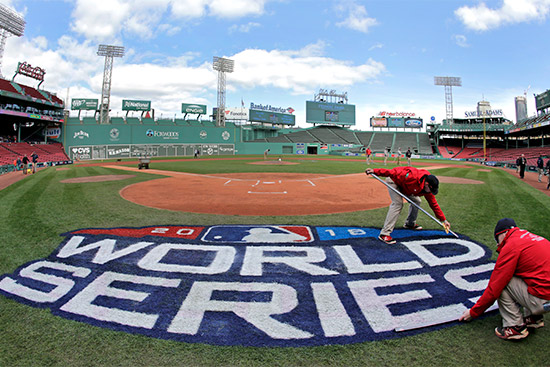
503,225
433,182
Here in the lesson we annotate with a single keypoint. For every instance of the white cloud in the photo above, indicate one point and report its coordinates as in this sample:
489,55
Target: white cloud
243,28
461,40
357,18
218,8
99,22
375,46
483,18
298,72
143,17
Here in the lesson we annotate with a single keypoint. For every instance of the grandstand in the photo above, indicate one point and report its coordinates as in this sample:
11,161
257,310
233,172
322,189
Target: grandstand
9,152
382,140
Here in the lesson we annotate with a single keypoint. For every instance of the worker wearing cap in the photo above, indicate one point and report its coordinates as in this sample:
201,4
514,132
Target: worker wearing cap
520,280
412,183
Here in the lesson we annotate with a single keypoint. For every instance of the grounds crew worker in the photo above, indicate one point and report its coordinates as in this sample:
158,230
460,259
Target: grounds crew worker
521,278
411,182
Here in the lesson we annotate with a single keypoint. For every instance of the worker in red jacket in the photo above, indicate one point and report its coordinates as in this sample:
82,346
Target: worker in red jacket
368,153
413,183
520,279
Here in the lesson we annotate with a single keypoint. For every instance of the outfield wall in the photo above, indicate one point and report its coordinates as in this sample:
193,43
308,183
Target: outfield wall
85,141
94,141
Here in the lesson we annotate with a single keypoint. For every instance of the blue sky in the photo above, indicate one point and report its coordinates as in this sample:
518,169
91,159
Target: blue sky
384,53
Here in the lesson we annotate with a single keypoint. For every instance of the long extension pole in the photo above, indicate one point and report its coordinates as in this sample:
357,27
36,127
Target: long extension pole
413,203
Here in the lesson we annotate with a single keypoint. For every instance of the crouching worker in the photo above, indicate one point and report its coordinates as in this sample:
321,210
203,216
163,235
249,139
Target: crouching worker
520,281
412,183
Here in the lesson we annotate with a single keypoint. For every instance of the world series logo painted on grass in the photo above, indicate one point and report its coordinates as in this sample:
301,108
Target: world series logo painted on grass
262,285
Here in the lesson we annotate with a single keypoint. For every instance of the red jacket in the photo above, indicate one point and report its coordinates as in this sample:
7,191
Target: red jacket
521,254
369,152
410,181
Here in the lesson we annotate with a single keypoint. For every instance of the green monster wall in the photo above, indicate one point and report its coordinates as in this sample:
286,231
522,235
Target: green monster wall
167,138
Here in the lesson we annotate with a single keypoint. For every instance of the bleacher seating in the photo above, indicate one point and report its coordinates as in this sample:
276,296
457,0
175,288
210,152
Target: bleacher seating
30,92
347,135
52,97
404,141
326,135
7,86
364,137
9,152
302,137
381,141
424,144
50,152
278,139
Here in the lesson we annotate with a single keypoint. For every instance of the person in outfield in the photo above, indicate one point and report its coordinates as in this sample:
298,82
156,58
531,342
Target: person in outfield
520,279
413,183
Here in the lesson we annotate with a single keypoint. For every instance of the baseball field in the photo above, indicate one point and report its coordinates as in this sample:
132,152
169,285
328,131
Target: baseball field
38,212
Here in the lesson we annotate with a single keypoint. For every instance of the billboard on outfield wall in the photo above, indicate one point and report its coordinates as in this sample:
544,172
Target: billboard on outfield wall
396,122
147,134
272,117
193,108
131,105
120,151
237,113
543,100
413,123
378,122
333,113
84,104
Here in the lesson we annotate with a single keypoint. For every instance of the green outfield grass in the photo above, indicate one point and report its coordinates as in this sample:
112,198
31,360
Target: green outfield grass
36,210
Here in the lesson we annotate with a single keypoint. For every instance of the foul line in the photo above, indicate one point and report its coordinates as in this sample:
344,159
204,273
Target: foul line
269,193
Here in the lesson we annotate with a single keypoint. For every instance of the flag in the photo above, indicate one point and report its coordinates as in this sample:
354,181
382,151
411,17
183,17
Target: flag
242,102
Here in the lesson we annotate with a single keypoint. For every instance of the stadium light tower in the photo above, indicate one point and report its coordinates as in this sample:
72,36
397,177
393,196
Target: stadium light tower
11,24
222,66
449,82
109,52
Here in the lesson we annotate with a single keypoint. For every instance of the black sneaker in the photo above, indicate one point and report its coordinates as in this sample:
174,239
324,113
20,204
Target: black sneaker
388,239
512,332
414,226
534,321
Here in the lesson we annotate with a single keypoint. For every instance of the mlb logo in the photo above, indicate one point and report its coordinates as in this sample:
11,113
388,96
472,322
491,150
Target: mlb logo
258,234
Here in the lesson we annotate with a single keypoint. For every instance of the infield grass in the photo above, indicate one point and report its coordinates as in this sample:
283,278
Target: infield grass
35,211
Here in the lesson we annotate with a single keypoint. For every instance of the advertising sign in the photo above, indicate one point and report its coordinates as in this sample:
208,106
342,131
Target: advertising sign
378,122
325,112
129,105
237,113
396,122
193,108
543,100
415,123
270,108
84,104
272,117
